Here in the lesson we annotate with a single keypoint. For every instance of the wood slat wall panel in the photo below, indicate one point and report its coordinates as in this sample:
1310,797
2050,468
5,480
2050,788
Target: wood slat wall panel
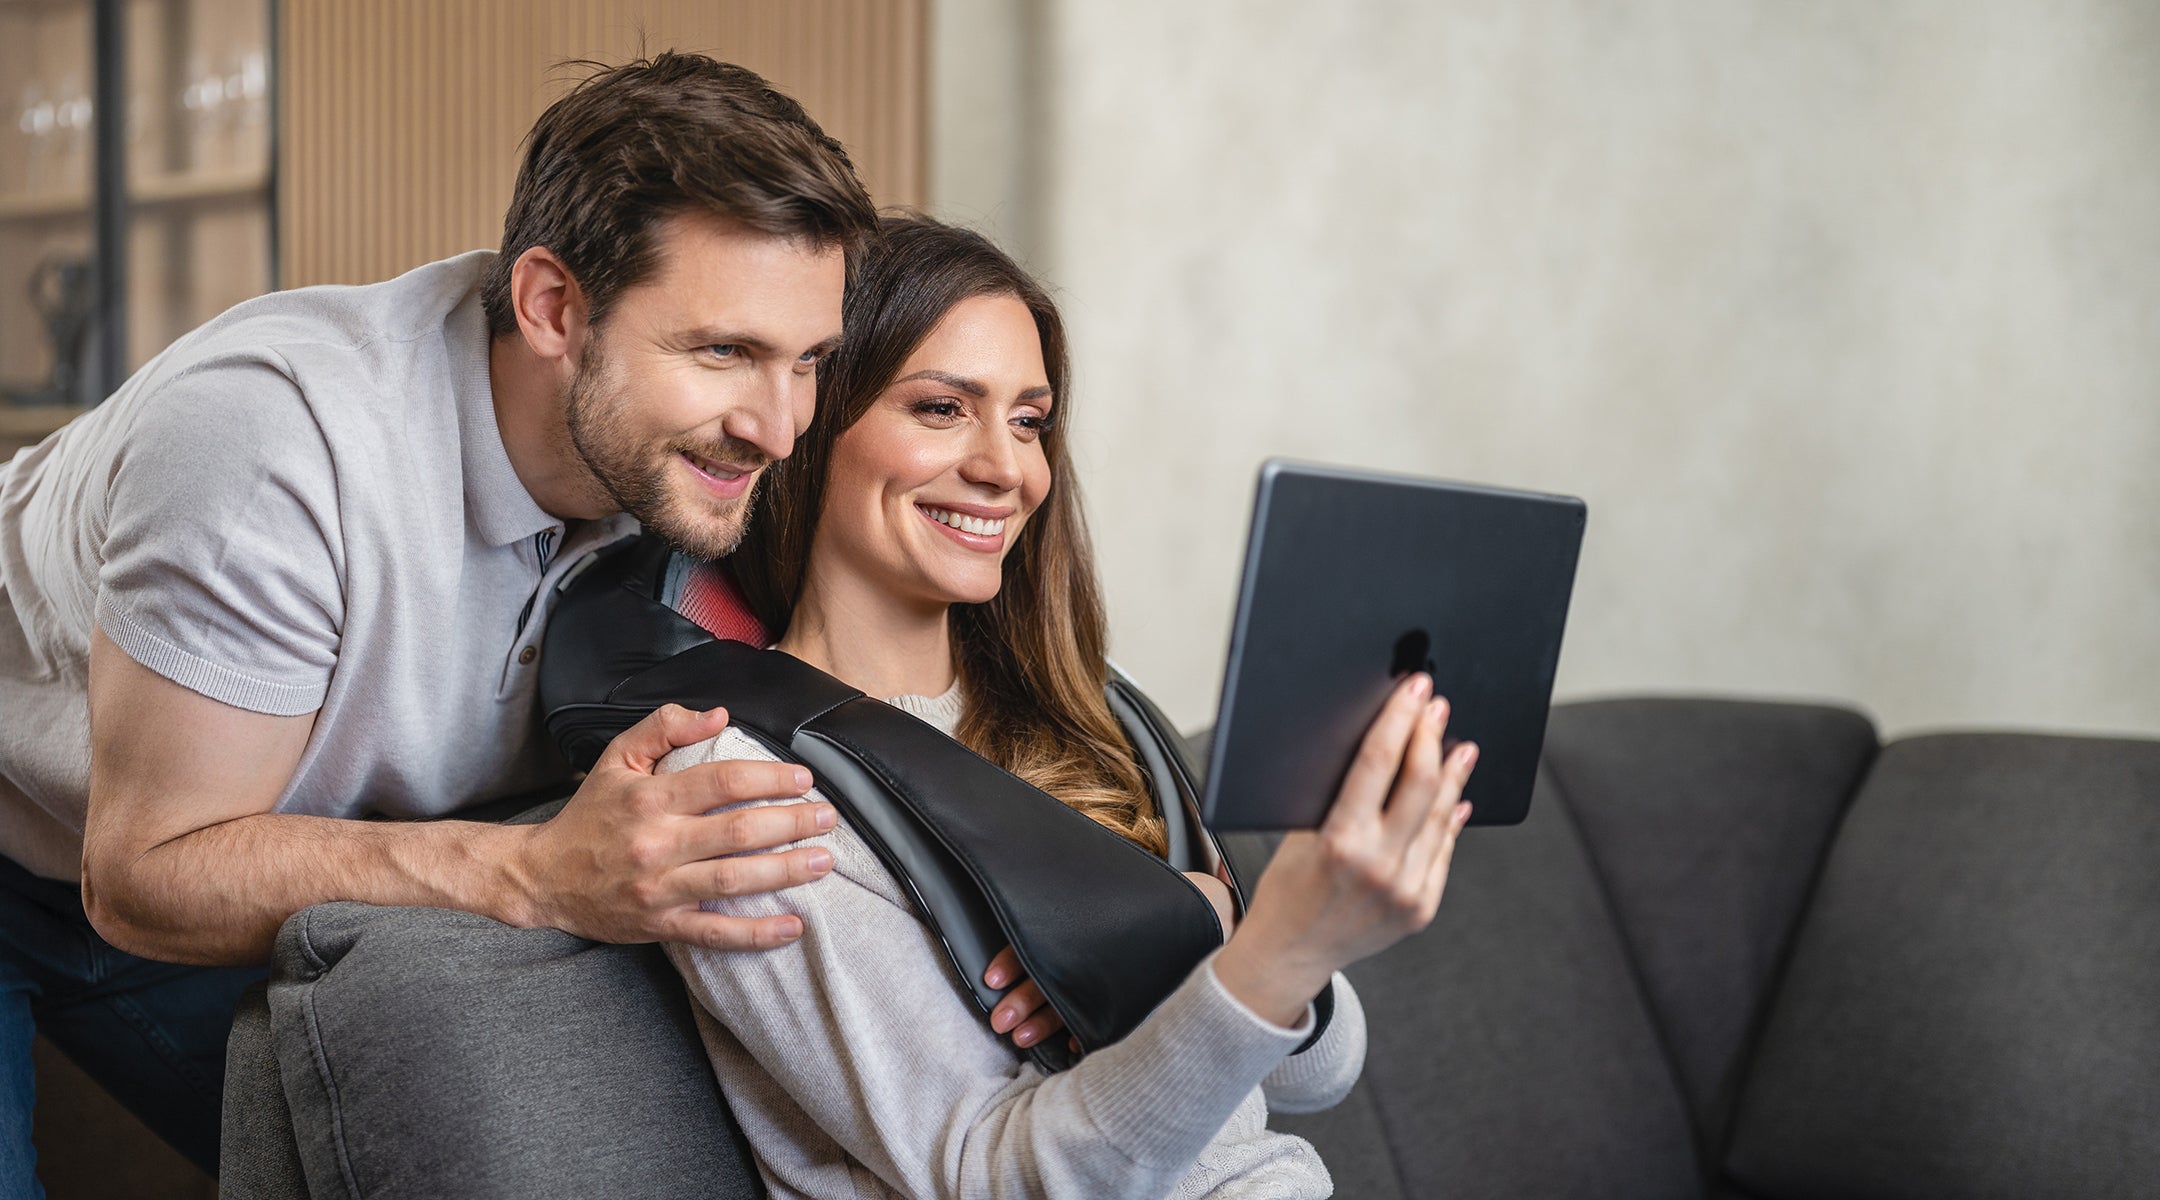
401,119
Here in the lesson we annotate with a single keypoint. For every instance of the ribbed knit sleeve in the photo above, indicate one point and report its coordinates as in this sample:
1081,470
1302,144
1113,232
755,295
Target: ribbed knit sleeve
1325,1072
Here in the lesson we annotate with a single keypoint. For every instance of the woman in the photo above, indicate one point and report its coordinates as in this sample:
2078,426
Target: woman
925,543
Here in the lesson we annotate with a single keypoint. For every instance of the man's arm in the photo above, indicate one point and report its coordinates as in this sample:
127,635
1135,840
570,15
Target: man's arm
184,861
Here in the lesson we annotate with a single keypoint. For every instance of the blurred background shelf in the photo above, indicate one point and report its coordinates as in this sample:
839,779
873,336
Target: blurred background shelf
118,235
148,192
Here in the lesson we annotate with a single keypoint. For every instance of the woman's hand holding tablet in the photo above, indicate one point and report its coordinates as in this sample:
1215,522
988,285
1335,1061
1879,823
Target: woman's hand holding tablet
1370,875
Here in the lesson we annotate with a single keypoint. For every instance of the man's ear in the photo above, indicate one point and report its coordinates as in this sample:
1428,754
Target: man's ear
550,306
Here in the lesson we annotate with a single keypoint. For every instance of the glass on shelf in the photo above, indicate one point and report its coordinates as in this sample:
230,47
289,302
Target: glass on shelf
47,303
199,225
195,149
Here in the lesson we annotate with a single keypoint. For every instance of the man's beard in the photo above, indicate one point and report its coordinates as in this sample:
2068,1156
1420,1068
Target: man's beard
636,478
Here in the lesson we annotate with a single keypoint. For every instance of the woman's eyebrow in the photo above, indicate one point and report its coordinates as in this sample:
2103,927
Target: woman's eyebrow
970,386
963,383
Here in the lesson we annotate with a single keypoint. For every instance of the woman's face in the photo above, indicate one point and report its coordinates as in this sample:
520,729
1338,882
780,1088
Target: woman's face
930,488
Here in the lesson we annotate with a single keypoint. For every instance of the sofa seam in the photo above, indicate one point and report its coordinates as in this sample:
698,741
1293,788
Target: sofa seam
1781,966
1631,954
322,1067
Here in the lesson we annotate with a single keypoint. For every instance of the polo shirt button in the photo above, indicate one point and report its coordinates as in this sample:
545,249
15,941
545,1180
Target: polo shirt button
527,655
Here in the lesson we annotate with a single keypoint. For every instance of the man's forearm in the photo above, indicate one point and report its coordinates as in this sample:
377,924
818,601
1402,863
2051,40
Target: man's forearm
217,895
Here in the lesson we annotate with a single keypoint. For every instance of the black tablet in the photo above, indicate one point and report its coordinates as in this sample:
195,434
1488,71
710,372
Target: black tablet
1353,579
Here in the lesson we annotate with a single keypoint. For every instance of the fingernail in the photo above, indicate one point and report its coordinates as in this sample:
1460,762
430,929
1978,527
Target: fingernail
791,929
820,861
802,779
1025,1037
715,711
1002,1020
1421,685
827,816
1469,754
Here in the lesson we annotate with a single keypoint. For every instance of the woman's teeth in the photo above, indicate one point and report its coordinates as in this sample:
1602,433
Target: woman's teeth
980,526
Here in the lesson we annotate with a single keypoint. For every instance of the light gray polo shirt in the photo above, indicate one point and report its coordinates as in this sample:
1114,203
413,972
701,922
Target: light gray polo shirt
303,505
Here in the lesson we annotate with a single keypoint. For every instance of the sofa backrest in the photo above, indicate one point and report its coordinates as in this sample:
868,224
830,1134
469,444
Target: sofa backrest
1707,822
1574,1022
1973,1004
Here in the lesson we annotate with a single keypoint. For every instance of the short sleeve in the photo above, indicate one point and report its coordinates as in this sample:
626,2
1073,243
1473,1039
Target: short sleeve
221,560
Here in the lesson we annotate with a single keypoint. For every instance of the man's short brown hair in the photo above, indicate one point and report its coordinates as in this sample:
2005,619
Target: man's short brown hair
633,145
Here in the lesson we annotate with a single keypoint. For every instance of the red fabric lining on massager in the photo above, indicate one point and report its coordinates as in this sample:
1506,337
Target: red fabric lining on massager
711,599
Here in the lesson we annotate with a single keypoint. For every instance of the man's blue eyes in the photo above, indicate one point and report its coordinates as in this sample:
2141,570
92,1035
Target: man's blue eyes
809,358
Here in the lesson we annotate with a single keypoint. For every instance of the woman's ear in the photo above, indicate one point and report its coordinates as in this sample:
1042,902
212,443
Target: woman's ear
549,305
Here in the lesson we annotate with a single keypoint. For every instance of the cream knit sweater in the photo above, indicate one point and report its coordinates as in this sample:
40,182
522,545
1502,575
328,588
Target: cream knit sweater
858,1067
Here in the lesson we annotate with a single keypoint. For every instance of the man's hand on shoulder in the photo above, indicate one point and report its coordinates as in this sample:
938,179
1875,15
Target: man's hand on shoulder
632,855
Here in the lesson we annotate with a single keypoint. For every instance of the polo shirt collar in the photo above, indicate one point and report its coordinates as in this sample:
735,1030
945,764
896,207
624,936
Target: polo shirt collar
496,501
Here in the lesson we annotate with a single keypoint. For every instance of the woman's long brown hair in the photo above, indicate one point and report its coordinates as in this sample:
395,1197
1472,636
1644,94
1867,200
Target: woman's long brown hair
1031,661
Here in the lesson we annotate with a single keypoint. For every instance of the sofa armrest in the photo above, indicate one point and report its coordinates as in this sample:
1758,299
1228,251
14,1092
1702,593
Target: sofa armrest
426,1053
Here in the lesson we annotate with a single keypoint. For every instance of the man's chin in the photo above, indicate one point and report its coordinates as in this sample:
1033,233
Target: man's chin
713,533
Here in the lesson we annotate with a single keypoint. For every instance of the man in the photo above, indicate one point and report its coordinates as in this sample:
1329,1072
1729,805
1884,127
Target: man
296,570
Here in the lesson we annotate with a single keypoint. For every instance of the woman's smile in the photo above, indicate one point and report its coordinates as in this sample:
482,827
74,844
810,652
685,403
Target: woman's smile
971,525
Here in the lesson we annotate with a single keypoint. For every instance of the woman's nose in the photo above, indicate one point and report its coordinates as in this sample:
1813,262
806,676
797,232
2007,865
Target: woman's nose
993,460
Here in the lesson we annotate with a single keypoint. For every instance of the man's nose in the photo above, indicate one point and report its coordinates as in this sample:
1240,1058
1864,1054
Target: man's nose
772,416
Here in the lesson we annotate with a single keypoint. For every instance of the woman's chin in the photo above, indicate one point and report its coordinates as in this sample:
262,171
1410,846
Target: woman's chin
965,591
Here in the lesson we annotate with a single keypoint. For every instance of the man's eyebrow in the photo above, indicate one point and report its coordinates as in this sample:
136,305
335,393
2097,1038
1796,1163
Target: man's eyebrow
962,383
827,346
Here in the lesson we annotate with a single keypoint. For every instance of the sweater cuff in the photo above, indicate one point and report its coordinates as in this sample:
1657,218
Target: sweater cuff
1164,1092
1317,1065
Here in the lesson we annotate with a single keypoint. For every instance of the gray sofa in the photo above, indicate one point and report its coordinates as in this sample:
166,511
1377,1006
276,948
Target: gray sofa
1738,950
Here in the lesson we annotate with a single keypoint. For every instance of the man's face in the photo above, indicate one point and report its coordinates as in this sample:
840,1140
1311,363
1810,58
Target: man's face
703,375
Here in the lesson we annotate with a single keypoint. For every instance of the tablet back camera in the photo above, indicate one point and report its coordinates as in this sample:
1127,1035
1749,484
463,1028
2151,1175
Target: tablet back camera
1413,652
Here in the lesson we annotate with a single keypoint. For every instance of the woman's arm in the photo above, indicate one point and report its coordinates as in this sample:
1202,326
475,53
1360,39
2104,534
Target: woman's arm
862,1024
925,1096
920,1091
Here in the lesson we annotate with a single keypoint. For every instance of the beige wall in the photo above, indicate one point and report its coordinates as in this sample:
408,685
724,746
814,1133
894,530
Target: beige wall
1844,317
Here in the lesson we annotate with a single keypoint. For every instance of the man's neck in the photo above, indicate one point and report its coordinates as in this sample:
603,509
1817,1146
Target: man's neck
865,637
529,412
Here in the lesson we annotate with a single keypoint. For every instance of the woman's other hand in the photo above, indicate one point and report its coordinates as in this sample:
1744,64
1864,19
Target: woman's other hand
1024,1011
1372,873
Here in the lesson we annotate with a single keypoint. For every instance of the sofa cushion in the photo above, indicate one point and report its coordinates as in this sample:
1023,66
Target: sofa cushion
1707,821
258,1158
1511,1052
434,1053
1971,1010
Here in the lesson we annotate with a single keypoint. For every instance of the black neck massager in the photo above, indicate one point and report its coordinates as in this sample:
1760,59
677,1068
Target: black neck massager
1105,929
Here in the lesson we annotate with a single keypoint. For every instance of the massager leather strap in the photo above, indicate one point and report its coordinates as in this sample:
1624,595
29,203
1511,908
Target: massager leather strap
1106,930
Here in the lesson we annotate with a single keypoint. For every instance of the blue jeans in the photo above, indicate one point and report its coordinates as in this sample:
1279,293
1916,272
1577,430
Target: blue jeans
153,1034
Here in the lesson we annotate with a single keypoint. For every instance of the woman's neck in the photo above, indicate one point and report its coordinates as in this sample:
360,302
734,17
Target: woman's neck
866,638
